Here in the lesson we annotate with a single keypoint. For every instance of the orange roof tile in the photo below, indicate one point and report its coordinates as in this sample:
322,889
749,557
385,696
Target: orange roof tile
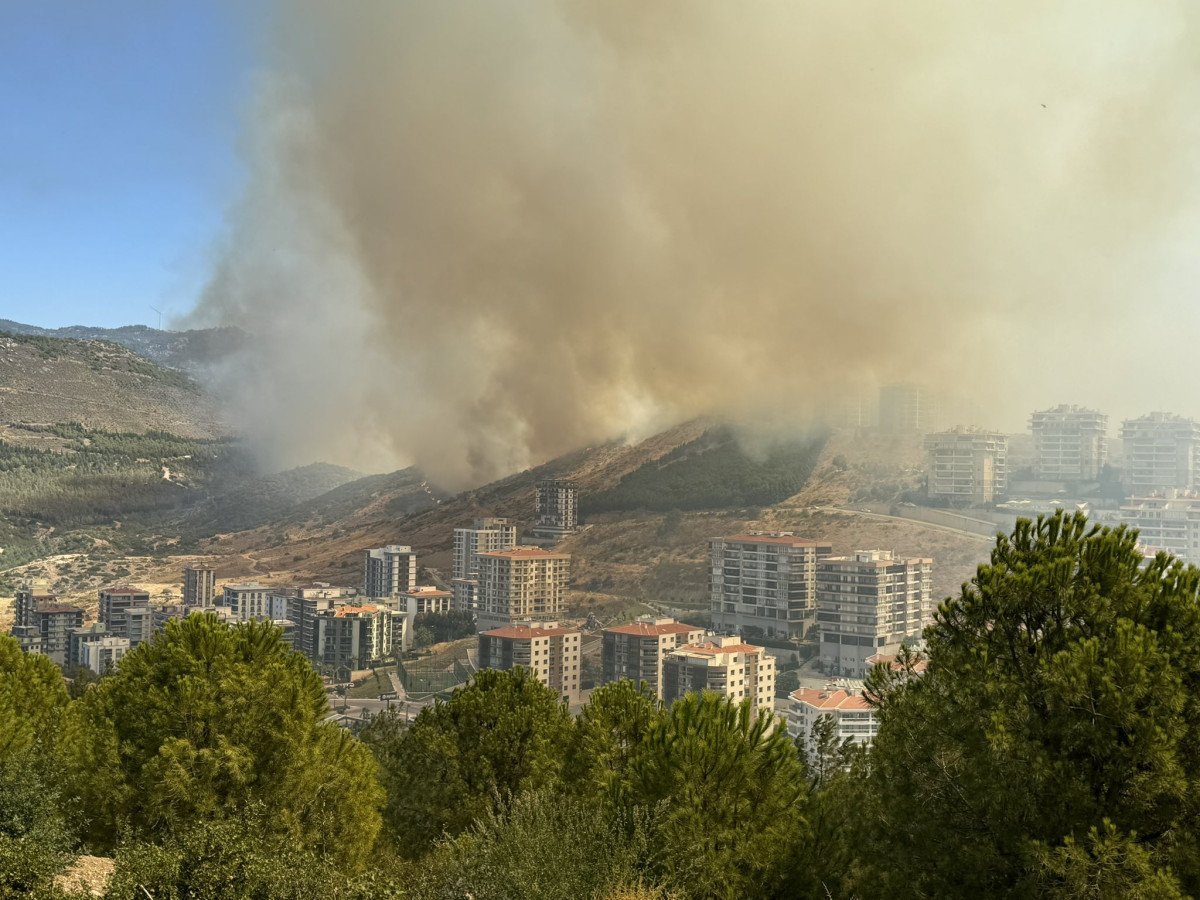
348,610
838,699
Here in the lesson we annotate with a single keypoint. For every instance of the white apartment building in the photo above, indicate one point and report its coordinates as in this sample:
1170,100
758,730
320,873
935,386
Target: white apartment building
549,652
484,536
853,716
636,651
389,570
1170,523
1070,443
764,583
870,603
429,599
733,669
1162,453
524,584
967,467
355,636
251,600
103,654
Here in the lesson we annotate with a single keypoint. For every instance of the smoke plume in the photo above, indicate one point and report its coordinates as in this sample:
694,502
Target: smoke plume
479,234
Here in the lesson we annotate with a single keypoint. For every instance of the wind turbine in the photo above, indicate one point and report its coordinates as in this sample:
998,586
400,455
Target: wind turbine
159,311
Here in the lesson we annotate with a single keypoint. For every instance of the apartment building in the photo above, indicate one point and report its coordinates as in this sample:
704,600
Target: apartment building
549,652
524,584
28,597
28,638
251,600
429,599
161,615
967,467
80,636
1170,522
103,654
354,636
389,570
1070,443
199,587
126,613
54,623
484,536
869,603
764,583
853,717
636,651
557,509
304,603
1162,453
723,664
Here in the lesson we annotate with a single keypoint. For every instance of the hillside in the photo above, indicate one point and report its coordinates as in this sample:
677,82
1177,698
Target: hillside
103,386
624,562
195,351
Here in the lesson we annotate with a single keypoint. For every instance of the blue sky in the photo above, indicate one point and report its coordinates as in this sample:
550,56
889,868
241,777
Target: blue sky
118,153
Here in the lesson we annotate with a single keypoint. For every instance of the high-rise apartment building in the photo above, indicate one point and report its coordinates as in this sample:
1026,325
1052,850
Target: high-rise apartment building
1170,522
28,597
870,603
764,583
550,653
1162,453
389,570
304,604
251,600
55,622
636,651
557,509
199,587
733,669
126,613
523,584
103,654
80,636
1070,443
484,536
354,636
967,467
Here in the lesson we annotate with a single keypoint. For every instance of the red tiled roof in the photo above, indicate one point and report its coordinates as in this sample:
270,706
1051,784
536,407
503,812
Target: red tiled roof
522,632
348,610
838,699
58,608
646,629
714,649
427,591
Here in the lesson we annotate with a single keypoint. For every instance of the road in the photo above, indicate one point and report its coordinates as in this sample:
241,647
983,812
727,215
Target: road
886,518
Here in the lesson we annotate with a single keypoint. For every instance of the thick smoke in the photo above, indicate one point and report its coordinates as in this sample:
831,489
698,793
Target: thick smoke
476,235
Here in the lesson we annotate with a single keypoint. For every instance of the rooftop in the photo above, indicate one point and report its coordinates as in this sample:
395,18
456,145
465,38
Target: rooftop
526,553
830,699
523,632
648,629
778,538
124,591
59,608
710,648
427,590
350,610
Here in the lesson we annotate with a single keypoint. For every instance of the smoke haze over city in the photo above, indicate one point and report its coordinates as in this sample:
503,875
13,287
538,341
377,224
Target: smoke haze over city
477,236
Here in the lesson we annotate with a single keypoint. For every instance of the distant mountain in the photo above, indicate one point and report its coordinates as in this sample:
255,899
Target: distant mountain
194,352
